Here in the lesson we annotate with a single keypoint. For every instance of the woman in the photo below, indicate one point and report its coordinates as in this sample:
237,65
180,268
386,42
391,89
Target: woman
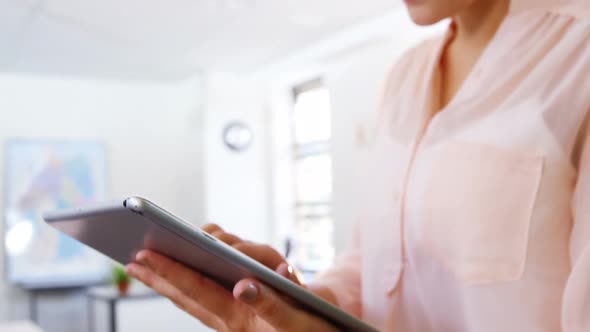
478,216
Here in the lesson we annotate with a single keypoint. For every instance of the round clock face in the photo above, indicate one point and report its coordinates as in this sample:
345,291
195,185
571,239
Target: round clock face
237,136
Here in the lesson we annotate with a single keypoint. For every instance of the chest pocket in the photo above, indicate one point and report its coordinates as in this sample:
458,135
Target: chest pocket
478,209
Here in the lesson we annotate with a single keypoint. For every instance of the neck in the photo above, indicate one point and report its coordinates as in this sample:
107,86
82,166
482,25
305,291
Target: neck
477,24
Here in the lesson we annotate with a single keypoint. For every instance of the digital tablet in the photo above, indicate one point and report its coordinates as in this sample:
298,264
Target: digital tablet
121,229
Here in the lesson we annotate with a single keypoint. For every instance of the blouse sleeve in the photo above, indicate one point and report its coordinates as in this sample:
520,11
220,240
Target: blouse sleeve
576,299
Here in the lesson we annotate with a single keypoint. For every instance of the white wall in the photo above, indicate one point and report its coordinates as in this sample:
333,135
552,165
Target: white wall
236,184
152,133
355,87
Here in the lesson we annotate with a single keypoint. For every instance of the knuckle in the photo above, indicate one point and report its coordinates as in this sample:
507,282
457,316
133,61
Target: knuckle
229,238
218,233
240,245
270,250
243,247
210,227
225,239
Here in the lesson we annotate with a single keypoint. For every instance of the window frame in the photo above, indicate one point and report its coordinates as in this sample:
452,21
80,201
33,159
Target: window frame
299,152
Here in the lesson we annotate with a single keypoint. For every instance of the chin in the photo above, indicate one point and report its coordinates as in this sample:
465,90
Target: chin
423,16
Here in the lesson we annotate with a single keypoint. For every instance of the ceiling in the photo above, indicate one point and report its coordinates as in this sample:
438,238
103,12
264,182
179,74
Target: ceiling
166,39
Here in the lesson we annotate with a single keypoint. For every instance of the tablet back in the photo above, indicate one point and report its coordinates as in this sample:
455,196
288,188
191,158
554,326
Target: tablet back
120,233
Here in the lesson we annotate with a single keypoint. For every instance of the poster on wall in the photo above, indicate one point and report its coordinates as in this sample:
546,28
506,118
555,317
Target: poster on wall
41,176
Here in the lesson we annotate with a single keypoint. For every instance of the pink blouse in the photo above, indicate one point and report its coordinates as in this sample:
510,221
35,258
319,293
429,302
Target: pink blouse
478,218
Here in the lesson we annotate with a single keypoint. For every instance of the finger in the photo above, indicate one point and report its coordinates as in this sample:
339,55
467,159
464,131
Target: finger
210,228
210,295
262,253
288,272
226,237
274,310
165,289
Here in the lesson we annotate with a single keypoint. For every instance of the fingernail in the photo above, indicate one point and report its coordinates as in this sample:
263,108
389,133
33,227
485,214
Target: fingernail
285,270
249,294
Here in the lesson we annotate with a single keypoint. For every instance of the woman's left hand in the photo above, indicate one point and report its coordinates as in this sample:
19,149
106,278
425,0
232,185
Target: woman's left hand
252,306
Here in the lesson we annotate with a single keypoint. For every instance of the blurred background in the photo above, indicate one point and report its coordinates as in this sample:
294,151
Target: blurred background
249,113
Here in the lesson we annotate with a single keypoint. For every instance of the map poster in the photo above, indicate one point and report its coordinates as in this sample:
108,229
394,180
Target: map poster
41,176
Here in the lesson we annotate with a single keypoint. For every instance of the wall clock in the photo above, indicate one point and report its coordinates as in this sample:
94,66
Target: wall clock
237,136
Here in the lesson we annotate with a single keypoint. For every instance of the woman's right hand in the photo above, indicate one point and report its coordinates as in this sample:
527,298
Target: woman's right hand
264,254
253,306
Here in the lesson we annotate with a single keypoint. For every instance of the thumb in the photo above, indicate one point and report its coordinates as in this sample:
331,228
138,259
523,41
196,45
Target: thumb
268,305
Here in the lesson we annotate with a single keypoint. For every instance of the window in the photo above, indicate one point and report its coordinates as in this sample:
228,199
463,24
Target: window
313,249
